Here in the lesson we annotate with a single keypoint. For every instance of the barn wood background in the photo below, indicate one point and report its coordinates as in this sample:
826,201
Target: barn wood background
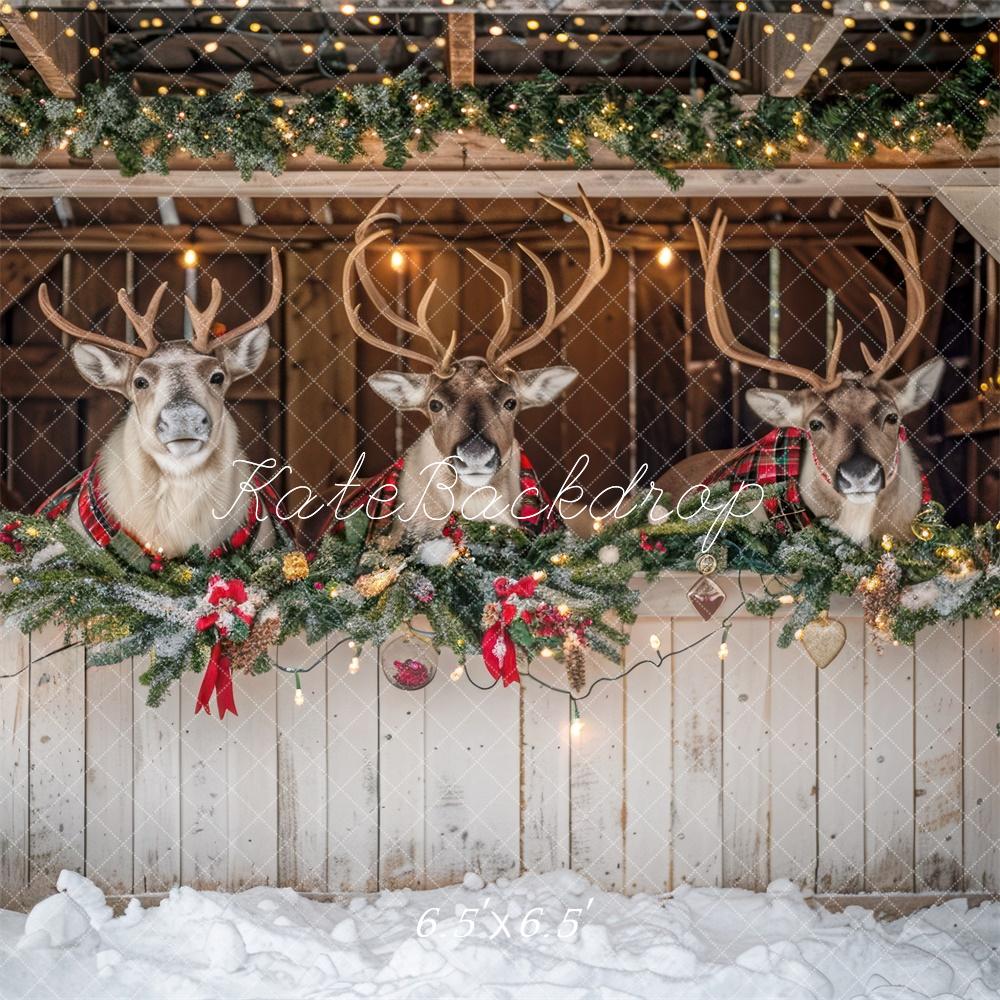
880,773
652,387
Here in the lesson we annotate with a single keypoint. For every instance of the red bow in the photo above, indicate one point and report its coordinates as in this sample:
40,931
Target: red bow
218,678
499,651
525,587
218,675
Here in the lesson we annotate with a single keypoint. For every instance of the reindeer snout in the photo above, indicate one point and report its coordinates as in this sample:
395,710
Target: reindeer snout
477,454
859,475
183,427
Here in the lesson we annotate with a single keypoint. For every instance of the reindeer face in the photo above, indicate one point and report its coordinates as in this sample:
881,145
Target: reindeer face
853,428
177,393
472,412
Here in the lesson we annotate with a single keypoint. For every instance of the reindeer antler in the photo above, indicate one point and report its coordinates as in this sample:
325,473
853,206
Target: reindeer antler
600,263
142,322
909,263
440,356
202,320
721,329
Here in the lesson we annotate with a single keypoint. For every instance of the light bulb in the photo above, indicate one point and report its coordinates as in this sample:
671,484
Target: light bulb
397,261
546,652
786,599
665,257
189,259
723,650
457,673
576,726
654,641
300,698
354,666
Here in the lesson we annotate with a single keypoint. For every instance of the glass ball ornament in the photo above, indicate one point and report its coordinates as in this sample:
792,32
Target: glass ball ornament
409,662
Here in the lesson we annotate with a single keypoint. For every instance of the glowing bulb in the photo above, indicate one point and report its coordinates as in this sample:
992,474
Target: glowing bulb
547,652
354,666
768,29
374,19
496,30
576,726
723,650
701,13
532,25
347,9
734,74
798,634
786,599
539,575
211,47
563,609
189,259
397,261
849,22
665,256
654,642
598,525
300,698
457,673
887,543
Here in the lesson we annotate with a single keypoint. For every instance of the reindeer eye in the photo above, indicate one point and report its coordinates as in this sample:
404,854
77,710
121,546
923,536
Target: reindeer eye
510,404
436,405
217,378
892,419
140,383
815,425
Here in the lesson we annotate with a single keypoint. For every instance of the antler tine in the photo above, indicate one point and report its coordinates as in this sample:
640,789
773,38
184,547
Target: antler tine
143,323
833,361
908,261
599,248
262,317
58,320
720,328
506,305
202,319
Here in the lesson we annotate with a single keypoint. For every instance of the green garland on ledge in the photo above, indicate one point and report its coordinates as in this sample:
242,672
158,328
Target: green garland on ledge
579,594
658,132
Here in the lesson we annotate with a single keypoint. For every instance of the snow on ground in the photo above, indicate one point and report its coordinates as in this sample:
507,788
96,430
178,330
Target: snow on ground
539,937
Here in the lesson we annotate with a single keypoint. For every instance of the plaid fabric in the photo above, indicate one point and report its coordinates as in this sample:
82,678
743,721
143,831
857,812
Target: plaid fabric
378,497
106,532
775,460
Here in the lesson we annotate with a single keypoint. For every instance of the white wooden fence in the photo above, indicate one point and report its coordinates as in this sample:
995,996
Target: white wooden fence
880,773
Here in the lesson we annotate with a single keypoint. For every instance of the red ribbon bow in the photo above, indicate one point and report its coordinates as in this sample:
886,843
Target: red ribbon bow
218,675
499,651
525,587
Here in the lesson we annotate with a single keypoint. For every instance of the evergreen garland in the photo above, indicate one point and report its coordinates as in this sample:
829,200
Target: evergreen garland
658,132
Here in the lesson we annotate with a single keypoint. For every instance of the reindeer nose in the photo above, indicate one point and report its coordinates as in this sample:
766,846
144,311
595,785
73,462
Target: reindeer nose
476,451
859,474
180,421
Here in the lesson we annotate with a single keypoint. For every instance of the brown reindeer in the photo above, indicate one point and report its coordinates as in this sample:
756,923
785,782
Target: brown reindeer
169,477
854,465
468,461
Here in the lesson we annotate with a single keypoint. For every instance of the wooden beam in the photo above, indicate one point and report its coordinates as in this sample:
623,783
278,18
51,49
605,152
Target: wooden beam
41,37
972,416
780,62
977,210
462,49
20,271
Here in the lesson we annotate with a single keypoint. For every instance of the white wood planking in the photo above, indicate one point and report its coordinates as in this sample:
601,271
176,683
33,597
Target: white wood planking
746,756
15,686
841,757
109,834
701,772
888,766
793,762
156,786
938,758
981,841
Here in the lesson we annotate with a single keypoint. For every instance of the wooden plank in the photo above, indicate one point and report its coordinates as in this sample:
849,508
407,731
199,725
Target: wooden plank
697,765
156,786
302,777
56,747
888,765
981,775
938,759
462,50
793,763
472,777
353,776
20,272
746,756
15,687
252,795
545,743
597,783
109,830
204,784
54,56
841,806
648,760
978,211
427,182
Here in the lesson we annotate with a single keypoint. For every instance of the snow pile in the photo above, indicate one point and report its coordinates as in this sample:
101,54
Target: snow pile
540,936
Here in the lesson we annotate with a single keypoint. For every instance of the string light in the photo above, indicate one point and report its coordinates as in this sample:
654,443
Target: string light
724,645
547,652
457,674
665,256
397,260
189,259
654,642
300,698
786,599
532,25
887,543
576,726
354,666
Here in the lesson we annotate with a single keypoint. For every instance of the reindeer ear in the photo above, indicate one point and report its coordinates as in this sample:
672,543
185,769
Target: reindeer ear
538,386
244,356
777,407
404,390
916,390
103,368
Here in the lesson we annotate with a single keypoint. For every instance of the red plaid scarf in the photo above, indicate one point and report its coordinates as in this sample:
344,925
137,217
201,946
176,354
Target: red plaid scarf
775,460
378,497
107,533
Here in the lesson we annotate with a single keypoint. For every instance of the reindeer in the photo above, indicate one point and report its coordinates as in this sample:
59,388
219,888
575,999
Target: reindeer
846,454
168,476
468,460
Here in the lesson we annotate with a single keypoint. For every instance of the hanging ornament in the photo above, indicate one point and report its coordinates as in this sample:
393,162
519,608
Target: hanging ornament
929,520
706,597
374,583
294,566
576,665
823,638
408,662
706,564
880,593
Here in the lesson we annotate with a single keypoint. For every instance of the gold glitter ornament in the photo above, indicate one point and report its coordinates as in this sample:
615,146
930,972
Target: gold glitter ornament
374,583
295,566
823,638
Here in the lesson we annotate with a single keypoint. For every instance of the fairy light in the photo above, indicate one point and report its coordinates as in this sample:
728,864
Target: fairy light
849,22
255,26
734,74
768,29
211,47
457,674
887,543
654,642
701,13
547,652
354,666
374,20
308,49
576,726
397,260
665,256
347,9
495,30
786,599
598,525
189,259
532,25
300,698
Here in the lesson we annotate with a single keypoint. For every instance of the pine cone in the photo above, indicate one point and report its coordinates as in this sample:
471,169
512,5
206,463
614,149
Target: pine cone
244,654
576,666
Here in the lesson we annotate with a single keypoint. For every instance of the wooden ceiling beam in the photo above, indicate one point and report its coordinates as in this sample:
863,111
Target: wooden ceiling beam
41,37
462,50
977,211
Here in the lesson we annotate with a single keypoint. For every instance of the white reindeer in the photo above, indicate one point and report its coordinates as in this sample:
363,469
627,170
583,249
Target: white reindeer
168,476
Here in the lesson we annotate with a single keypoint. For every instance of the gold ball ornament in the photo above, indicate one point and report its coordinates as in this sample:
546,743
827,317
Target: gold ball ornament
823,639
295,566
374,583
929,519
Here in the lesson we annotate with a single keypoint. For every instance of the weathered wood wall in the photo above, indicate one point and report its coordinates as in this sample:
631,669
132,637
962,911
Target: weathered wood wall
880,773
